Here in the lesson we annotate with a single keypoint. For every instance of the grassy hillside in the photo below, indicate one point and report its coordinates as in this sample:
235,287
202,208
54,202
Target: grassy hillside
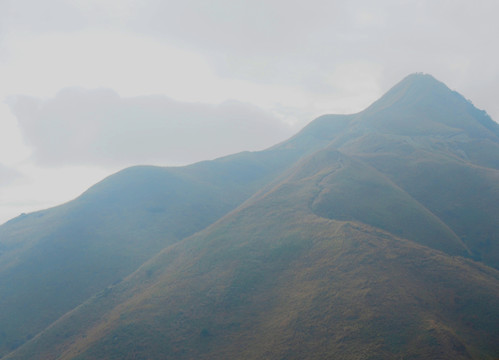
461,190
365,236
353,191
435,146
53,260
274,280
421,105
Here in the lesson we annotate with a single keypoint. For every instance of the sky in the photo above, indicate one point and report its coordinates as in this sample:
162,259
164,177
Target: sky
89,87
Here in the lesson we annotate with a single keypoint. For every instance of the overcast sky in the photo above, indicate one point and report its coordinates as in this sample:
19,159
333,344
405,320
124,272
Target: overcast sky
89,87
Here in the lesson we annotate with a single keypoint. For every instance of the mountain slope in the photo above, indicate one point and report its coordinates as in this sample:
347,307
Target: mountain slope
352,245
356,192
53,260
422,105
274,280
438,148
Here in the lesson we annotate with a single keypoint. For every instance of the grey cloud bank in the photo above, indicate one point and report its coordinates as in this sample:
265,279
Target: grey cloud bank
88,127
302,43
313,44
326,48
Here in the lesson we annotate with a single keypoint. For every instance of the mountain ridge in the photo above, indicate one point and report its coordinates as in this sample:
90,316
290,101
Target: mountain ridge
417,93
348,239
196,264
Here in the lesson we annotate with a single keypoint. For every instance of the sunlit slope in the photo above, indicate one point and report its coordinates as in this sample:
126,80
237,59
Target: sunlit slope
53,260
275,280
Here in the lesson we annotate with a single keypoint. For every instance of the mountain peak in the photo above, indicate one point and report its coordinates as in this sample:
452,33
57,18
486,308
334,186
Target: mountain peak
421,84
420,77
413,89
422,103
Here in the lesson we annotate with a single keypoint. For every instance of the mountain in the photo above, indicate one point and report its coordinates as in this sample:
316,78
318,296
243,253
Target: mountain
364,236
53,260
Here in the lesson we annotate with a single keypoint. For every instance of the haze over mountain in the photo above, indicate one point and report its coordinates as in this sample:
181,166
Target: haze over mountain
124,82
364,236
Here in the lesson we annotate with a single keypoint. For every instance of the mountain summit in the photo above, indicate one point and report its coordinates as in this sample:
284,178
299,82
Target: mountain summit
420,104
364,236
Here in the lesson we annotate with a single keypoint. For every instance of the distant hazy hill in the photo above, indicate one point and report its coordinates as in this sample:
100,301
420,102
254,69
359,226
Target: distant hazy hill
365,236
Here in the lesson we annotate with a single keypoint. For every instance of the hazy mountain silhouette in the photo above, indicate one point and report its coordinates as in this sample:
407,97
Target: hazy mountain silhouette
364,236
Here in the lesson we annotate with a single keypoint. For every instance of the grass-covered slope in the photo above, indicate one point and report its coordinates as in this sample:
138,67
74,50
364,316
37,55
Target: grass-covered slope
461,194
274,280
53,260
433,145
350,190
442,151
356,244
421,105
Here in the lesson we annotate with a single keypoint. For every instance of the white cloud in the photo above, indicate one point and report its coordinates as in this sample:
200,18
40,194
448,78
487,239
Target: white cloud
12,147
36,16
268,53
8,175
36,188
98,126
44,63
305,45
135,65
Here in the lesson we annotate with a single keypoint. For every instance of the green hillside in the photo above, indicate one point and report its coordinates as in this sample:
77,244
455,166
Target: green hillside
53,260
364,236
435,146
353,191
274,280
